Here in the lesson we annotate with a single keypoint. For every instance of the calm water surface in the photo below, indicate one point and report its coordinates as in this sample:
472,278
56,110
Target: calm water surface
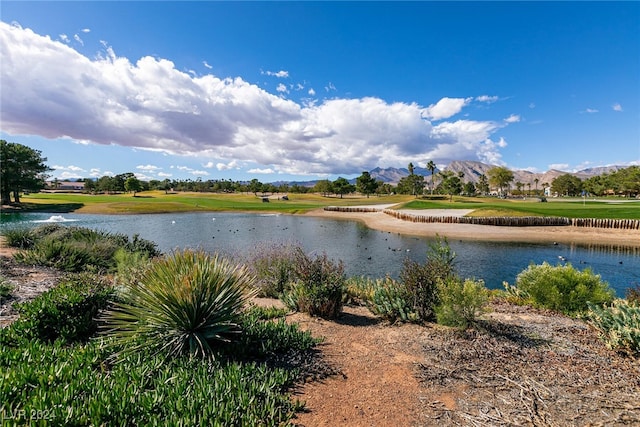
365,252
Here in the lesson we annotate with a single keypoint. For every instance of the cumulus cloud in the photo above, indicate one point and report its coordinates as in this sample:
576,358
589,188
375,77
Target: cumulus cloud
148,168
514,118
281,74
445,108
311,92
282,88
266,171
617,107
51,90
70,168
559,166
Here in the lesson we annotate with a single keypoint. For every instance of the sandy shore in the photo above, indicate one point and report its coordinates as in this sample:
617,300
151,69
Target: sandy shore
564,234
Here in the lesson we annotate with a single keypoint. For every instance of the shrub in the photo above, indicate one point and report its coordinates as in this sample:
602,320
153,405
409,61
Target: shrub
392,301
183,304
633,295
421,280
76,249
20,238
563,288
67,311
274,268
5,289
461,301
618,324
319,286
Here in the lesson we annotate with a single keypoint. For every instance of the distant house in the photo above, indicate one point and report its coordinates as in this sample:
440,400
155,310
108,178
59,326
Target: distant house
64,186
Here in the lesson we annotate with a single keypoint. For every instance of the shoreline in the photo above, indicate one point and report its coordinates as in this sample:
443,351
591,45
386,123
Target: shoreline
549,234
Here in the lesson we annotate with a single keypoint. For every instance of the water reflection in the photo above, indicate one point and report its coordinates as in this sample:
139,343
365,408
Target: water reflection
365,252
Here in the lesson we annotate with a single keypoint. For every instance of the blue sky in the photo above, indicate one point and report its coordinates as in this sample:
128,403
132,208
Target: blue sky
307,90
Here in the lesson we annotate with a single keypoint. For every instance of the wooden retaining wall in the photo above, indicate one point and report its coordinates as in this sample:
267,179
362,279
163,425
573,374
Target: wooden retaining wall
526,221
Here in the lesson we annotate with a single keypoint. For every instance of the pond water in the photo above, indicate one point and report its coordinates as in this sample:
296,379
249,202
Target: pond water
365,252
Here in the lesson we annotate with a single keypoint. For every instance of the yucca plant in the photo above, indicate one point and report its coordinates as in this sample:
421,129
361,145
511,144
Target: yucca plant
182,304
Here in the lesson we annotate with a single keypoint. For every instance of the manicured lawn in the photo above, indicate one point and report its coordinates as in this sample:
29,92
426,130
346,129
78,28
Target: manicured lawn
570,208
159,202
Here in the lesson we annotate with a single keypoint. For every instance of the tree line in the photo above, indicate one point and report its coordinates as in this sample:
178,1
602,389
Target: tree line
24,169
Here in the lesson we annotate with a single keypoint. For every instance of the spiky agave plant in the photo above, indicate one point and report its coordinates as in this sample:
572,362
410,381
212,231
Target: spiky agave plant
182,304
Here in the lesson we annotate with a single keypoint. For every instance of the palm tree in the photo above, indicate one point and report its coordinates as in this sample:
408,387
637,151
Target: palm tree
536,181
432,167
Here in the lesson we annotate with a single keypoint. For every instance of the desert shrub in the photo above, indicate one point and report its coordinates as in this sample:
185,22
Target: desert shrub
359,289
421,279
618,324
633,295
67,311
20,238
461,301
75,385
563,288
5,289
76,249
319,286
274,268
392,301
182,304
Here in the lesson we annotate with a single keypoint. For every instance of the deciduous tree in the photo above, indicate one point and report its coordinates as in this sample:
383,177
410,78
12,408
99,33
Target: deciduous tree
21,168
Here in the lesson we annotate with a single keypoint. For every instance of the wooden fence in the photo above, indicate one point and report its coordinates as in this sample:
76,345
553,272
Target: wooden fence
525,221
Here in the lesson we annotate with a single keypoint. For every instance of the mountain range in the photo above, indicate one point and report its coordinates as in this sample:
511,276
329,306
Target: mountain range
471,171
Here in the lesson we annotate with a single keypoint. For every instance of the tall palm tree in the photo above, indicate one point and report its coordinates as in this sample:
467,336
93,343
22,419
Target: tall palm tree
536,181
432,167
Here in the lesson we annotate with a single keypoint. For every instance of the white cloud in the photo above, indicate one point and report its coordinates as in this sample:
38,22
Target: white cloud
514,118
330,86
617,107
281,74
266,171
64,38
151,105
227,166
148,168
486,98
591,110
532,105
78,39
206,65
445,108
164,175
311,92
70,168
282,88
559,166
85,30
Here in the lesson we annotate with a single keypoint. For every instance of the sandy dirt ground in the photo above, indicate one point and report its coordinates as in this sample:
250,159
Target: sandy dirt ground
564,234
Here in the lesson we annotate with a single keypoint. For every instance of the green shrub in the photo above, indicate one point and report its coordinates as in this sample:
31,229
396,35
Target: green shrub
563,288
461,301
633,295
5,289
67,311
74,385
421,280
319,286
182,304
76,249
392,301
359,289
274,268
20,238
618,324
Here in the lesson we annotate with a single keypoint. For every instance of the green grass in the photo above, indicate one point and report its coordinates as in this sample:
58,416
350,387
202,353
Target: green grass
159,202
576,208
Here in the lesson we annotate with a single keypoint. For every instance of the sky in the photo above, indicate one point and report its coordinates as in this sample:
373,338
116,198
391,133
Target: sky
286,91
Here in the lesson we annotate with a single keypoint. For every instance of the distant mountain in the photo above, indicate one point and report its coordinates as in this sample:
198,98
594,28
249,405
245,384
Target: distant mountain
471,171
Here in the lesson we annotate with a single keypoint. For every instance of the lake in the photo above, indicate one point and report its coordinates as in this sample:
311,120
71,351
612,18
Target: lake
365,252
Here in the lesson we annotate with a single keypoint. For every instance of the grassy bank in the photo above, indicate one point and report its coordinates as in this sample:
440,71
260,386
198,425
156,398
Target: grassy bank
159,202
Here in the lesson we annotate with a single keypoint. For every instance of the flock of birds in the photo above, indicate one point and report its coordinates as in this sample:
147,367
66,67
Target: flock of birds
560,257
